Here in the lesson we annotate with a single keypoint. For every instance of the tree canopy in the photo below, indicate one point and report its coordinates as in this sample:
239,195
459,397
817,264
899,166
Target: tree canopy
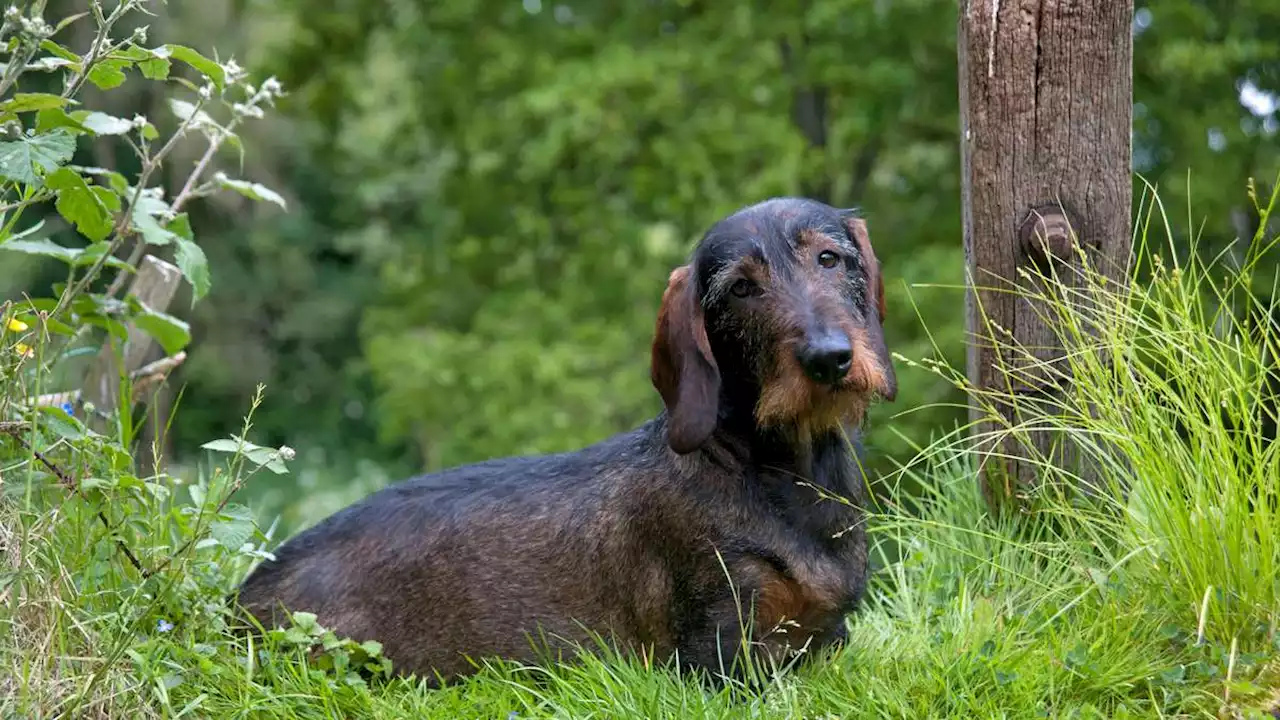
486,198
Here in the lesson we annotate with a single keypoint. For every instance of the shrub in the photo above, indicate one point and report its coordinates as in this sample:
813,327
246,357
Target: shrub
98,557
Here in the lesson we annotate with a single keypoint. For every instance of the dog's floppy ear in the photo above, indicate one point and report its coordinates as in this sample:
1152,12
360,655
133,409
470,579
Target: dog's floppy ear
684,370
857,228
887,380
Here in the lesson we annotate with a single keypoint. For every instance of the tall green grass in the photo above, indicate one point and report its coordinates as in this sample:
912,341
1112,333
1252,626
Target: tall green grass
1153,594
1172,389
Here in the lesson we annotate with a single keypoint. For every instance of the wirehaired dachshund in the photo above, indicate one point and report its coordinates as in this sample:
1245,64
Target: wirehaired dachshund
679,539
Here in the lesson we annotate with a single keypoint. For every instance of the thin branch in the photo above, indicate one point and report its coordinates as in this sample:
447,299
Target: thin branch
19,204
143,379
100,47
183,196
203,164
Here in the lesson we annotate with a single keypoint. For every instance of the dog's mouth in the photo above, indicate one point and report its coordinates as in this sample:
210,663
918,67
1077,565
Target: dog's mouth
792,397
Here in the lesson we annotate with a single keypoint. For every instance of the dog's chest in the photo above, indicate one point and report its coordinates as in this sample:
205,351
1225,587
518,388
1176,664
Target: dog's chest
821,507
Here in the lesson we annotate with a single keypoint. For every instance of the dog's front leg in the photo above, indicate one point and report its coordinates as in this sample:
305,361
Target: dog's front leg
737,633
718,643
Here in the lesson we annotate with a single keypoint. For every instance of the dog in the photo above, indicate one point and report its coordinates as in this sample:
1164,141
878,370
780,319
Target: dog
698,530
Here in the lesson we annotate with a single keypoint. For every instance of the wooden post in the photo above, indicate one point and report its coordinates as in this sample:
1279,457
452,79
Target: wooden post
154,286
1046,115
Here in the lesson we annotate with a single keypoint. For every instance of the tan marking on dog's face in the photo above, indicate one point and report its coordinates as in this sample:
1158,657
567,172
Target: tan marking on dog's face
787,394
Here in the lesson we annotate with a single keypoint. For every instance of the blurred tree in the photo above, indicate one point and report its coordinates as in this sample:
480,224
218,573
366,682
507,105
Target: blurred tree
485,198
1206,109
553,163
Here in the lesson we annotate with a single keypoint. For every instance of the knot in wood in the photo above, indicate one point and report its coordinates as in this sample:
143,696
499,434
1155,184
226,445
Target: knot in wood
1045,235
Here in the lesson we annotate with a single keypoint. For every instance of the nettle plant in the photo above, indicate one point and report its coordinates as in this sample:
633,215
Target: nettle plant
146,553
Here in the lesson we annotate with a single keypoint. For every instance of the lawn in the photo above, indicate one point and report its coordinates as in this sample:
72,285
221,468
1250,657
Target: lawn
1153,595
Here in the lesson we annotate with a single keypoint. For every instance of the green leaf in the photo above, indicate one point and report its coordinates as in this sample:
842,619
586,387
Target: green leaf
1173,675
152,231
202,64
61,424
181,226
257,454
104,124
195,266
133,54
26,102
305,620
95,483
185,111
117,182
111,325
155,68
172,334
68,20
45,247
268,458
145,213
96,250
233,528
54,118
226,445
89,209
19,159
190,258
49,64
74,256
61,328
58,50
108,74
1244,687
253,190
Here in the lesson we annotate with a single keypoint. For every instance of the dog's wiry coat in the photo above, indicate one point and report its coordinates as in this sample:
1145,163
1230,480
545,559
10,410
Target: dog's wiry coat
631,537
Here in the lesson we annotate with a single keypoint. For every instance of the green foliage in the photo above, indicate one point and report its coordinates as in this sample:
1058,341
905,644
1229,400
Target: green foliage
437,178
91,541
526,233
551,170
1192,63
22,159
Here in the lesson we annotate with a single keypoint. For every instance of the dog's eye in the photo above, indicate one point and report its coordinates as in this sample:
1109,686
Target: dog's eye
828,259
742,288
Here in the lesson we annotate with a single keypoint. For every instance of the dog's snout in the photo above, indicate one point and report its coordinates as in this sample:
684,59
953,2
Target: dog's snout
826,357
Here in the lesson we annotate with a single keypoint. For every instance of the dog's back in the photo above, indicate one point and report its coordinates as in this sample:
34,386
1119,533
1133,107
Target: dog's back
471,556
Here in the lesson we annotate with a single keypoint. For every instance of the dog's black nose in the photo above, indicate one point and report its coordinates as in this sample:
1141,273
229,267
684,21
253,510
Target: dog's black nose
826,357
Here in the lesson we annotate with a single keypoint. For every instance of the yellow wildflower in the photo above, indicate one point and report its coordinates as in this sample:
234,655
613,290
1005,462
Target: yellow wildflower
16,325
24,350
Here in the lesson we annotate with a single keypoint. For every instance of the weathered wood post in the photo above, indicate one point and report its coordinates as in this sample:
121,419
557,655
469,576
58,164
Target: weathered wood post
154,286
1046,115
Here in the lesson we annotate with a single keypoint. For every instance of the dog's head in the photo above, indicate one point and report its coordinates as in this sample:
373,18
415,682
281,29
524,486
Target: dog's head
779,313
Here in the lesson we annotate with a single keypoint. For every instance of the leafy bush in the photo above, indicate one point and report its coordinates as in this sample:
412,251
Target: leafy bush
100,559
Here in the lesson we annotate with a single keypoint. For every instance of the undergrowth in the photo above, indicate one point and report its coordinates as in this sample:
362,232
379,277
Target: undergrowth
1154,594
